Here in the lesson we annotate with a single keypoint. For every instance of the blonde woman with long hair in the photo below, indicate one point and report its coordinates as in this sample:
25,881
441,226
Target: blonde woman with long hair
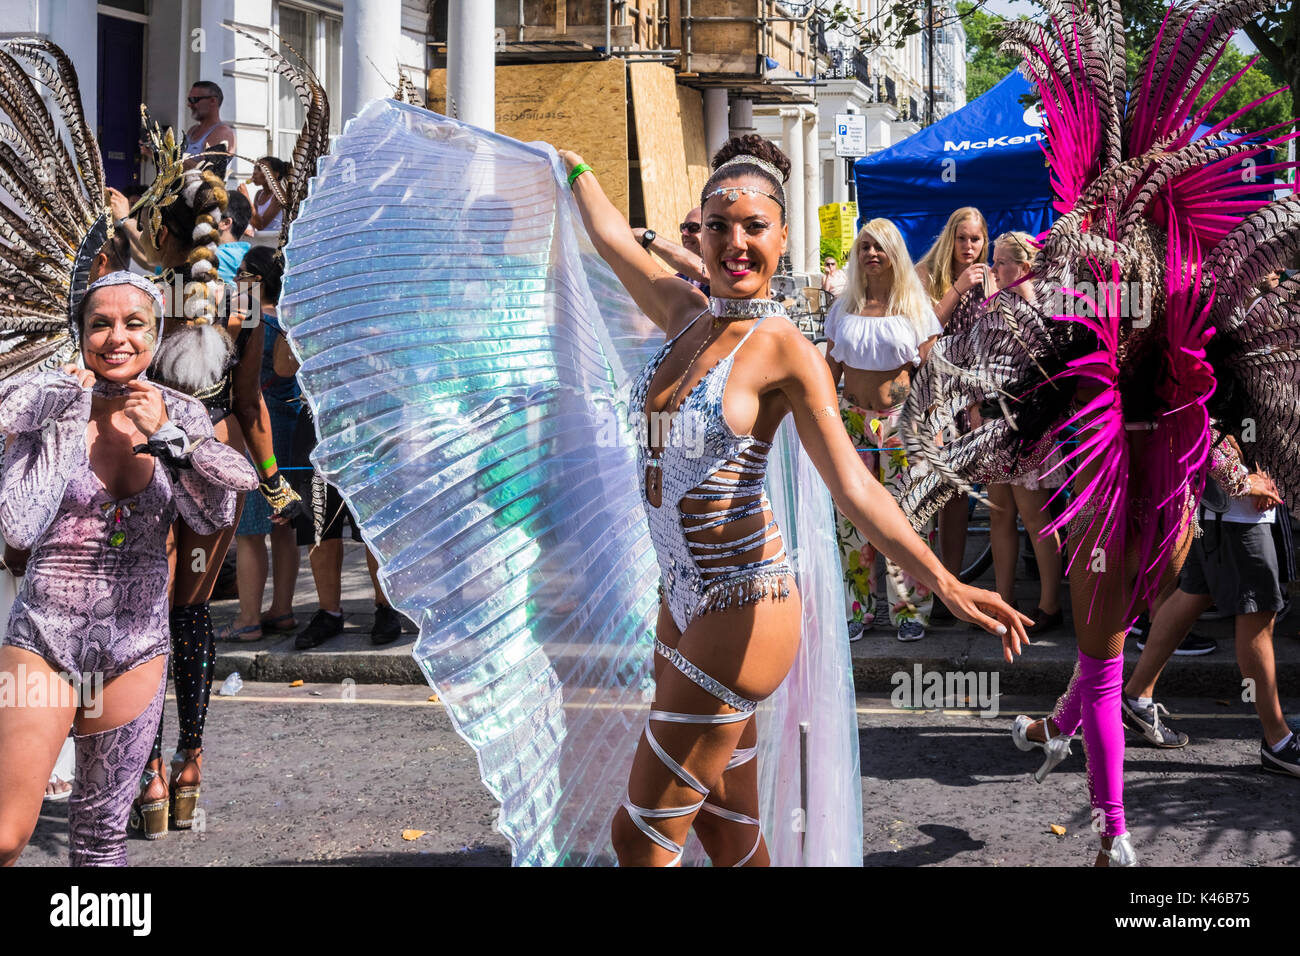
1013,253
957,262
878,331
955,265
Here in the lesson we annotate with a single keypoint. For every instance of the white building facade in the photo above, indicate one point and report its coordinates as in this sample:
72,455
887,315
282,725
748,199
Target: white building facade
889,86
153,50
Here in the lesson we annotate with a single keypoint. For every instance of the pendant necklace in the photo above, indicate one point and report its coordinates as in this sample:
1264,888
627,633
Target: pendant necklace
724,311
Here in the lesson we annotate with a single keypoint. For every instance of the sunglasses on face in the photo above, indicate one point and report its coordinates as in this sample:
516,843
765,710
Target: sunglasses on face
691,228
196,99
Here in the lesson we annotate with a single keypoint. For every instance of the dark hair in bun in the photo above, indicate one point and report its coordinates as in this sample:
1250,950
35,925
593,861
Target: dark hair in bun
759,148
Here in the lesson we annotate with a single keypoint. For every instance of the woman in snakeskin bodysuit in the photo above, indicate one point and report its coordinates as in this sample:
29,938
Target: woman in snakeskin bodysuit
97,467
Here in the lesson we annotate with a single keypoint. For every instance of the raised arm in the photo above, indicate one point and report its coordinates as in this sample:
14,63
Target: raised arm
807,386
665,299
679,257
972,276
259,220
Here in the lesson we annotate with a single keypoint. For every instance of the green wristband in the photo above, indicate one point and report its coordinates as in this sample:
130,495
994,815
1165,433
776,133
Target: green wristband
268,466
578,171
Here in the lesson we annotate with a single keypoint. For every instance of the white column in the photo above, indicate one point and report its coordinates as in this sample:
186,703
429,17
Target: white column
792,143
372,35
742,116
68,28
215,44
715,119
812,191
471,62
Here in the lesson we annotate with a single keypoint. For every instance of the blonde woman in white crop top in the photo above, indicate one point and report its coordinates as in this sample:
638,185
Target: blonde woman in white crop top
877,333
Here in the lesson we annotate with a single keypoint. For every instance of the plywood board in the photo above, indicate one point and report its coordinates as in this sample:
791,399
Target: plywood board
577,106
656,111
737,45
619,35
691,105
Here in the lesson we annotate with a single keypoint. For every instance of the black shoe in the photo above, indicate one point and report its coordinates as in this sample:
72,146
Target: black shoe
1193,645
319,629
1044,622
1147,722
387,627
1287,760
1212,613
1141,628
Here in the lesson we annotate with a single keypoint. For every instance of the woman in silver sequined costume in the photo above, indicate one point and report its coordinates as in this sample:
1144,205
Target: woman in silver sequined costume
97,466
729,621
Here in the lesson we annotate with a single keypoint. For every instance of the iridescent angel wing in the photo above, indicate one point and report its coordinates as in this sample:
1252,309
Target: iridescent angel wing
468,359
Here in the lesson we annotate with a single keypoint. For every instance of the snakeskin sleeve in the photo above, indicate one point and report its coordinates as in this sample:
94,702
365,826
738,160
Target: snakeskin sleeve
205,493
44,416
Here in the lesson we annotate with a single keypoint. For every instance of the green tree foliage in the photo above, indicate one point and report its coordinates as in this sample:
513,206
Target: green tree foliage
985,65
1142,19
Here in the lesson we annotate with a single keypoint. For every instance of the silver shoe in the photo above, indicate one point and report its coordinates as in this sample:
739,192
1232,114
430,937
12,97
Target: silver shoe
1121,851
1055,749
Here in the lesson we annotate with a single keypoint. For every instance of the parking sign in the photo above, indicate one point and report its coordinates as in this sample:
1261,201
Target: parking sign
850,135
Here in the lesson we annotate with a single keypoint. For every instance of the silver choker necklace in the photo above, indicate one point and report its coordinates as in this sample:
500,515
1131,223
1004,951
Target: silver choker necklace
744,308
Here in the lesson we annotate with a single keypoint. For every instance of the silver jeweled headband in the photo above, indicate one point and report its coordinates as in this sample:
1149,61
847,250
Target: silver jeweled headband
123,278
128,278
733,192
749,160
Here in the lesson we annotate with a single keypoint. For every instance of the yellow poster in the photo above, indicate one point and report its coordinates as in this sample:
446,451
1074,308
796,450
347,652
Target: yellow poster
839,222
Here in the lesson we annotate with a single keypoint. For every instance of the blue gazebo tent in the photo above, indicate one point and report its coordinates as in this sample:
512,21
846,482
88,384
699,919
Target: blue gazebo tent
986,155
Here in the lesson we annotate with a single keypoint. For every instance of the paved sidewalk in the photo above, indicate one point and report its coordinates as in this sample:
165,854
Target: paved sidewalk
1044,668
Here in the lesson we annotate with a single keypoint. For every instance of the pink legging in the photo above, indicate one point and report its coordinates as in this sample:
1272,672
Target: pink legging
1092,700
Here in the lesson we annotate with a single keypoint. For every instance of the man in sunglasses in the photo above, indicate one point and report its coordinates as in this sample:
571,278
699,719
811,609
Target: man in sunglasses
685,258
209,134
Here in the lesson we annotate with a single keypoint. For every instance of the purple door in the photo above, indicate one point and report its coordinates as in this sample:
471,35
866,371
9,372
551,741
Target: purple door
121,71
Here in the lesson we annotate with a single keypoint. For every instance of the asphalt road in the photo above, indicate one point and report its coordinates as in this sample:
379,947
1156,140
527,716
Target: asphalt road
301,776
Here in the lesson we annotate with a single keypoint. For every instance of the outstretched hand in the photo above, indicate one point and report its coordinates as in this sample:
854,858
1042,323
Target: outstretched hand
987,610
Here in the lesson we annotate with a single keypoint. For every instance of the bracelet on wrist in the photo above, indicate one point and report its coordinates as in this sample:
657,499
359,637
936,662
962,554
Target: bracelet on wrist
578,171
